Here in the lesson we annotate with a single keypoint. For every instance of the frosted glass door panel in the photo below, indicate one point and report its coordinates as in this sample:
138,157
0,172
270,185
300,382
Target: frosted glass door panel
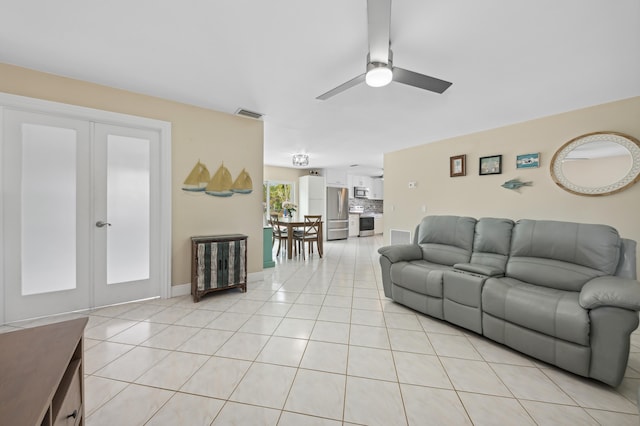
126,177
46,200
48,222
128,198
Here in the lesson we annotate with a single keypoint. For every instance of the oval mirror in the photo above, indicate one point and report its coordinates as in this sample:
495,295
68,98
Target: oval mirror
600,163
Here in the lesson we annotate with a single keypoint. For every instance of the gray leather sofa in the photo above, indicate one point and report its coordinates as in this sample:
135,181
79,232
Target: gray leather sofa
562,292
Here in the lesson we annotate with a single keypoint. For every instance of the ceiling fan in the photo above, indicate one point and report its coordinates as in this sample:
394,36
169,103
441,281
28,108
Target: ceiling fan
380,69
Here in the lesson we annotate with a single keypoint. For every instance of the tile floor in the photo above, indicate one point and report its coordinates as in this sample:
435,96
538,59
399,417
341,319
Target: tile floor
317,343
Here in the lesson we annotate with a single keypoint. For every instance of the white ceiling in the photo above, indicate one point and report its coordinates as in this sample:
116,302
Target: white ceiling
509,61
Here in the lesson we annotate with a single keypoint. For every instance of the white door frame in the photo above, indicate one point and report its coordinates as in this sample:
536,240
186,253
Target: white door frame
95,115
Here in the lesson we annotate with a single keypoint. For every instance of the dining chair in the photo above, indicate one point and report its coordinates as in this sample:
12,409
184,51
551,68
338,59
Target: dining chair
279,232
309,234
273,220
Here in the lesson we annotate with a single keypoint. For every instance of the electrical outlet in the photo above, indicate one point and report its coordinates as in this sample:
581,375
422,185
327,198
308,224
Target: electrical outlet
424,208
412,184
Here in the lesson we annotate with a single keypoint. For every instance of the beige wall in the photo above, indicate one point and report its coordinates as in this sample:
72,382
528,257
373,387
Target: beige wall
283,174
479,196
197,134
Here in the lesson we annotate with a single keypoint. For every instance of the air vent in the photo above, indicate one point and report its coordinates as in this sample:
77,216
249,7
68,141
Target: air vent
250,114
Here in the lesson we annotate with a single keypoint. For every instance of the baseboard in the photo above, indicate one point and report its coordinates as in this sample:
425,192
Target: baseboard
185,289
180,290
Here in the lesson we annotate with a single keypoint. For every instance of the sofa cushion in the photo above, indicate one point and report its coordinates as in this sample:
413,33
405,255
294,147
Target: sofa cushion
446,240
553,312
492,242
562,255
419,276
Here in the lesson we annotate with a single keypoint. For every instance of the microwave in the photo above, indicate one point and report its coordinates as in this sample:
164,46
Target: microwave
360,192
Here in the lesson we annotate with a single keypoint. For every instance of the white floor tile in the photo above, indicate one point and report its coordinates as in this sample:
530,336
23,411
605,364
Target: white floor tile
229,321
296,328
234,413
371,363
373,337
294,419
173,371
373,402
266,385
494,410
138,333
474,376
331,332
324,356
439,406
171,337
133,364
206,341
184,409
102,354
419,369
283,351
530,383
453,346
98,391
217,378
243,346
261,324
198,318
134,406
410,341
317,393
545,414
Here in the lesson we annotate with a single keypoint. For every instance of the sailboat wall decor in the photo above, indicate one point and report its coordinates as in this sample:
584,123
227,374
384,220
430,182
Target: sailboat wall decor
197,179
218,185
243,183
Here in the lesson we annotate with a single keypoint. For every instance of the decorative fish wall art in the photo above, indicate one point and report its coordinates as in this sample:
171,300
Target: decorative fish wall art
515,184
220,184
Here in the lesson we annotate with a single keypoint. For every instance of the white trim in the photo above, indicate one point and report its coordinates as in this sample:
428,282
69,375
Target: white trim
107,117
254,277
180,290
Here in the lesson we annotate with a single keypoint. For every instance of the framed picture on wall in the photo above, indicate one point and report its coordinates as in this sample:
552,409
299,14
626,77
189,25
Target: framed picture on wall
491,165
457,165
528,161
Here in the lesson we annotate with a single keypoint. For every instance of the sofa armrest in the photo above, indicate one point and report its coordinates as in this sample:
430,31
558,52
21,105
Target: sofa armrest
611,291
401,252
475,268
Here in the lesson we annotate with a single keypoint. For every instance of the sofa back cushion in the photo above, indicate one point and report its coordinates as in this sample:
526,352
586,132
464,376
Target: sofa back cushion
446,240
492,242
562,255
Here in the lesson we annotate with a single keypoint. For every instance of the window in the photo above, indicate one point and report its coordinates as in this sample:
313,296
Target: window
274,194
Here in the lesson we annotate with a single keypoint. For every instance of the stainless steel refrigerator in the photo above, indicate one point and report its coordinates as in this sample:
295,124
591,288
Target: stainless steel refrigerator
337,213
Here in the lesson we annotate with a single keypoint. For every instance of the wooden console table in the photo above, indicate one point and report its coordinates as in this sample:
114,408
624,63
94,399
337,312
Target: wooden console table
42,375
218,262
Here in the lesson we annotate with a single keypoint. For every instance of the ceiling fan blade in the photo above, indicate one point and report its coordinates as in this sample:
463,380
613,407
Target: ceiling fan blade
344,86
420,81
378,21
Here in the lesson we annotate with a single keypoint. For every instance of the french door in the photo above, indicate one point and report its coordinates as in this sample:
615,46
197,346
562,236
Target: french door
80,214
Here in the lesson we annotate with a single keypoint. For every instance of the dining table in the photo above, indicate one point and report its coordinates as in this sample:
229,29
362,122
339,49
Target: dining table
291,224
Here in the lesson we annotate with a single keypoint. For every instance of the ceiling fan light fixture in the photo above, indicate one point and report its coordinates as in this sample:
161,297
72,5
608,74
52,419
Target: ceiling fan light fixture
300,160
378,74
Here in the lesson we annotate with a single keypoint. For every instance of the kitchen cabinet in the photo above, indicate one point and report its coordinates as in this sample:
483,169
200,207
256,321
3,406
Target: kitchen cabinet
377,189
336,178
311,195
354,225
362,181
378,225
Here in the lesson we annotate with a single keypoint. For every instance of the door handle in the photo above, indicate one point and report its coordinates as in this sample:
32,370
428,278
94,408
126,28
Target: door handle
101,224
